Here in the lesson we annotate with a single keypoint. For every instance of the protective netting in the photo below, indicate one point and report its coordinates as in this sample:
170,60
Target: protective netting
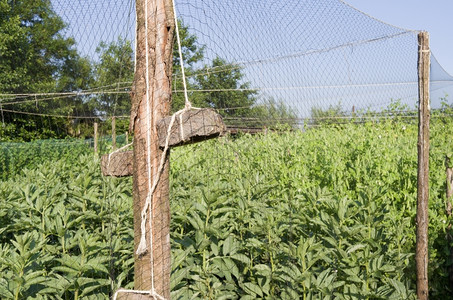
300,57
293,214
274,63
75,66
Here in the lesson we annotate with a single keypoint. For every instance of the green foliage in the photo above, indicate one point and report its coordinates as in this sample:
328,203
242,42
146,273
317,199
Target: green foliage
221,85
66,232
224,76
116,67
15,157
445,112
35,57
323,214
50,250
326,214
271,113
34,50
333,115
20,127
192,54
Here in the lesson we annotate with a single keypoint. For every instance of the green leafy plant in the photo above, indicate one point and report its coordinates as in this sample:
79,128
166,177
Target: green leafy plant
327,213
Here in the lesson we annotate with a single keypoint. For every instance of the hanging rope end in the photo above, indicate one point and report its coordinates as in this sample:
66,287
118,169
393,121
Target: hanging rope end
141,249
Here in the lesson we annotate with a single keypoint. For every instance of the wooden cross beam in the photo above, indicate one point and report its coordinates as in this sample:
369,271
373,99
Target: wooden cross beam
148,163
197,125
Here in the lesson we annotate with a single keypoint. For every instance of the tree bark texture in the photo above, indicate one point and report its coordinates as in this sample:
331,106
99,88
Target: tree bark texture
421,255
151,101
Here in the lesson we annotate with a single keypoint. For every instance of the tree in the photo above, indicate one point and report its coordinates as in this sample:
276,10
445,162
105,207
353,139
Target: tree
192,54
12,44
114,72
225,90
334,114
222,86
35,57
274,114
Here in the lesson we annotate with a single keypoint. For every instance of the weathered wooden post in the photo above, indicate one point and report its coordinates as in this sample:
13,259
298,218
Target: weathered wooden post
151,96
421,254
95,137
449,185
113,133
149,162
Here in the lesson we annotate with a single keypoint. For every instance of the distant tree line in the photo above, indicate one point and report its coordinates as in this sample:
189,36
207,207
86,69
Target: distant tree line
36,57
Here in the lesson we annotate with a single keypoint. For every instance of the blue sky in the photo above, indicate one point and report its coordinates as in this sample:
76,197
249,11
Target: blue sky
433,16
283,45
319,53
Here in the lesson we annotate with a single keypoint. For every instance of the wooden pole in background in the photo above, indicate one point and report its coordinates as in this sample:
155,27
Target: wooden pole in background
153,71
449,186
113,133
95,137
421,254
449,173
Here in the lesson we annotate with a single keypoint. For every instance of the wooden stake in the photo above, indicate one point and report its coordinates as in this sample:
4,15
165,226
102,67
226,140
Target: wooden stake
95,137
157,61
449,173
449,185
113,133
421,255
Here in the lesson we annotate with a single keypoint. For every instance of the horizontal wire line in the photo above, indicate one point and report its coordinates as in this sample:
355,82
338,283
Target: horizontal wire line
60,97
61,116
393,114
68,95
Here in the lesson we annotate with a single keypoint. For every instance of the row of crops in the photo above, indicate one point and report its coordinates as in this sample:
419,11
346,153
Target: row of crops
16,156
322,214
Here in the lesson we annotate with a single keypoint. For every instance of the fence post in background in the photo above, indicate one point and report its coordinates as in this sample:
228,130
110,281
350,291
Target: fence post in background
95,137
151,99
449,173
449,186
127,137
113,133
421,254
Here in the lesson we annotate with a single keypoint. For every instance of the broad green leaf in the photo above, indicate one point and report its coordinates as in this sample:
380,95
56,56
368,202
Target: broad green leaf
252,288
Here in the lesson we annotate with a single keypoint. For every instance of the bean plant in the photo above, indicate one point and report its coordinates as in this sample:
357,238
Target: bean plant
325,213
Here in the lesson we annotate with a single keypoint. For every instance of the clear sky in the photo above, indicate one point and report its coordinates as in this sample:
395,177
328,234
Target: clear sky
433,16
275,42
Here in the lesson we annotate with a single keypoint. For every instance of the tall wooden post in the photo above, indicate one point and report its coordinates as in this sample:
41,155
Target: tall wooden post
113,133
421,255
153,131
151,99
95,137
